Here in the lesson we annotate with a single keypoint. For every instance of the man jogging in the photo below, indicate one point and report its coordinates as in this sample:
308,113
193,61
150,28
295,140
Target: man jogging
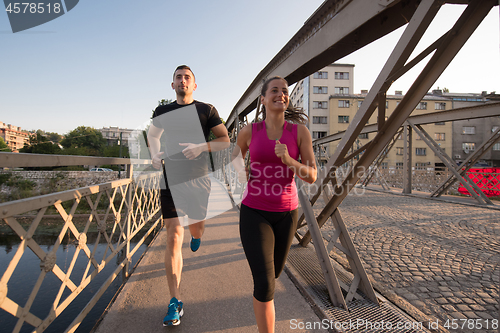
178,143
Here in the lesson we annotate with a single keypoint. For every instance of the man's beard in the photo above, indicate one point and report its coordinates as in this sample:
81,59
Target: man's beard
180,92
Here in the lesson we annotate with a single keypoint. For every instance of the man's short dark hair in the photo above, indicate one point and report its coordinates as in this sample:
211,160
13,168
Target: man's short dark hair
184,67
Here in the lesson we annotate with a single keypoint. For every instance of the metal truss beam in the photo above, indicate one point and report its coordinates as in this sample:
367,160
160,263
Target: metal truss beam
336,29
473,189
380,158
467,164
449,46
470,112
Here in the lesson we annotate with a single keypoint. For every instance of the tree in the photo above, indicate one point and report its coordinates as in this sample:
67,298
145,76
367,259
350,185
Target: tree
83,140
3,146
114,151
54,137
162,102
40,144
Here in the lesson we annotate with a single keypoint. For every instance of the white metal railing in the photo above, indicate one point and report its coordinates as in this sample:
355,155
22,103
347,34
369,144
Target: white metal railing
118,210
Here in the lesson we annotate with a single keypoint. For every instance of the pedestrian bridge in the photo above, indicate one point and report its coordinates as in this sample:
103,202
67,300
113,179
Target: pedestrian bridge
122,213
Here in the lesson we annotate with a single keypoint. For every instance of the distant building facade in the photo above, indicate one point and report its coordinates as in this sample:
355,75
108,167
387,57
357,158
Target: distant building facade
113,134
13,136
468,135
328,99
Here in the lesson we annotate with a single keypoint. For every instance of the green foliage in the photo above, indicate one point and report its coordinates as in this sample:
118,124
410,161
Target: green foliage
20,188
85,141
114,151
3,146
70,168
53,184
40,144
4,178
162,102
54,137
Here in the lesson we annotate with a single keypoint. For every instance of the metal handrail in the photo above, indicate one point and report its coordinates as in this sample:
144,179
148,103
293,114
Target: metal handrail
131,206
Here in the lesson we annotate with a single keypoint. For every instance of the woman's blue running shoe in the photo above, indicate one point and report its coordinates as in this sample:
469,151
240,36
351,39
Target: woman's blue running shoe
194,244
174,313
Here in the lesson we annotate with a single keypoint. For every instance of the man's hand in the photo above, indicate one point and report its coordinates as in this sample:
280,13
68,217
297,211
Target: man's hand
157,160
193,150
243,176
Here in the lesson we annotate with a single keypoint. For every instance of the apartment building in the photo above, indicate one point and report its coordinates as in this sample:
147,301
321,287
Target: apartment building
13,136
344,107
328,99
113,134
468,135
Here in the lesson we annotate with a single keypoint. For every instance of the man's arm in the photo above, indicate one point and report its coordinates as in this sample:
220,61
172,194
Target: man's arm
154,135
220,142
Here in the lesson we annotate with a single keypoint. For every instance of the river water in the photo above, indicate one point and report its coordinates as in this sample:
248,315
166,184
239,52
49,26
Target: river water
28,270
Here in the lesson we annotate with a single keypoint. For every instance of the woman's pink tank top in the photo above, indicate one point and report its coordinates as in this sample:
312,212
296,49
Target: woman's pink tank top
271,186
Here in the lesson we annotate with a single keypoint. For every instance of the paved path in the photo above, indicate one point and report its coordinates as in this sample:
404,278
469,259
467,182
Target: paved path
216,285
443,258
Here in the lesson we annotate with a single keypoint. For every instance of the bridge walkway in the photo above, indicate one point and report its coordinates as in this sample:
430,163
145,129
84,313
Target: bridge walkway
429,262
216,284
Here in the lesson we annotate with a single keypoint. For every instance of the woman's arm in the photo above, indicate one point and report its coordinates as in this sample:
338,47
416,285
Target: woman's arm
307,169
240,151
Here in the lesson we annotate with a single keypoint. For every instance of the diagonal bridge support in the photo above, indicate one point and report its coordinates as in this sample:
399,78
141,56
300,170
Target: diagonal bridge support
335,30
445,49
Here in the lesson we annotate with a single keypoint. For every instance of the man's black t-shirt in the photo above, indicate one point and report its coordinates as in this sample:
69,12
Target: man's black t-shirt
190,123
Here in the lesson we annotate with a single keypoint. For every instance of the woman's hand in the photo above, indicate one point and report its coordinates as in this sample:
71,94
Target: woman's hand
282,152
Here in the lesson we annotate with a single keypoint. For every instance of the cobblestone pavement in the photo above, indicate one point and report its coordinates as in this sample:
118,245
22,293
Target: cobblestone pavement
441,257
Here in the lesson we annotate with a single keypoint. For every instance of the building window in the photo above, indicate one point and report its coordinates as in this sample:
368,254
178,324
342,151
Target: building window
343,119
320,90
399,165
386,105
384,165
344,103
359,104
439,123
342,75
439,136
496,146
469,130
420,166
399,151
318,134
422,106
363,136
420,151
320,75
319,120
341,90
468,146
439,106
320,105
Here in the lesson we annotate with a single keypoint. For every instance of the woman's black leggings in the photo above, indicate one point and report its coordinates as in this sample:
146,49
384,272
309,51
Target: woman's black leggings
266,238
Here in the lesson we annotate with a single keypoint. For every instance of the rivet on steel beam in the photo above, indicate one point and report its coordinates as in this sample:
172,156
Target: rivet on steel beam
5,211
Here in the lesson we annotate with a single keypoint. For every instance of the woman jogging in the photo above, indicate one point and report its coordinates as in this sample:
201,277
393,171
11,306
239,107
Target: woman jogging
268,217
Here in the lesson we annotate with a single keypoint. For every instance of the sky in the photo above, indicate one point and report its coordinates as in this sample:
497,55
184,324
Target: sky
108,63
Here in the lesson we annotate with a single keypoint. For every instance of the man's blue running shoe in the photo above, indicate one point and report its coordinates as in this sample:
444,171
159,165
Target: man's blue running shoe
174,313
194,244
